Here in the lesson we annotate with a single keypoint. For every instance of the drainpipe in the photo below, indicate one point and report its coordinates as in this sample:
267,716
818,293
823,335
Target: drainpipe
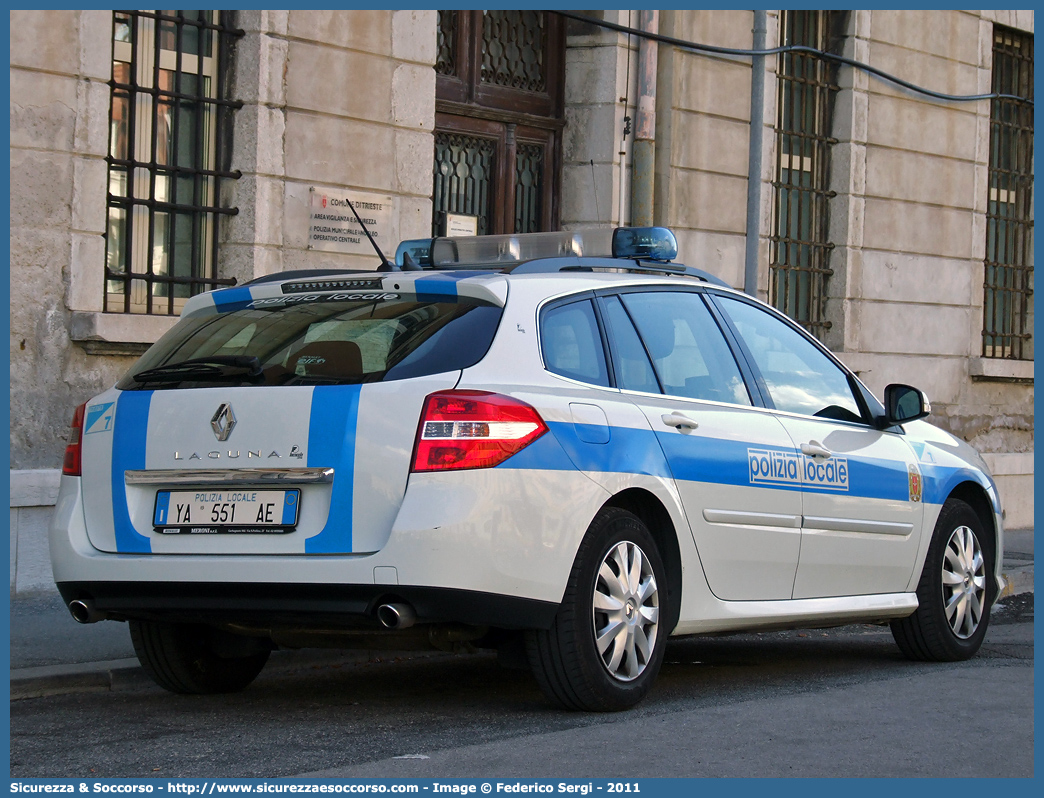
643,157
754,157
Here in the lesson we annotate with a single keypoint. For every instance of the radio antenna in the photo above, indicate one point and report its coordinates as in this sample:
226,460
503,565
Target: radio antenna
386,265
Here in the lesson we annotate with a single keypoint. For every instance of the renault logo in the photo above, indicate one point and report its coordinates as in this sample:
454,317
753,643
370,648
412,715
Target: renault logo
223,421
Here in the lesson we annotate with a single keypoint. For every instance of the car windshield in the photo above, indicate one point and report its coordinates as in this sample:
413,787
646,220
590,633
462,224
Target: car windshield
318,340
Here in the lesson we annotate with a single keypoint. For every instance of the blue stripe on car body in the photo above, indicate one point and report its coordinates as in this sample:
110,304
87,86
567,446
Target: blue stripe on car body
229,299
129,435
331,444
718,461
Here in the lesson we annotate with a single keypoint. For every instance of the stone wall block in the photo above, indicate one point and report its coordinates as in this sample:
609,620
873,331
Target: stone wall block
414,218
917,177
722,28
901,277
367,31
414,161
92,118
413,96
593,74
712,85
274,53
897,327
922,229
414,36
921,126
711,144
710,202
48,40
591,131
271,133
41,189
87,269
339,152
43,110
331,80
90,186
589,194
940,73
95,52
950,34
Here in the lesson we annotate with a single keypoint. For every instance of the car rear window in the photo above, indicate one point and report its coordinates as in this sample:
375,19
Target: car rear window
318,340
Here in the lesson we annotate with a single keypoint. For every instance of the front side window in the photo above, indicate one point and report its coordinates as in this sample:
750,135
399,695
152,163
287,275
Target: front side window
688,351
1008,299
800,378
167,124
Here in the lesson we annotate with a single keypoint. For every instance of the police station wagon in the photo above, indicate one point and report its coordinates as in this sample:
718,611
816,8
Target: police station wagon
510,442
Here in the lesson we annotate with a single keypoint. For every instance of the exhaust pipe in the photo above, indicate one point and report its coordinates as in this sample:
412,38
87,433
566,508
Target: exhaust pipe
83,611
396,616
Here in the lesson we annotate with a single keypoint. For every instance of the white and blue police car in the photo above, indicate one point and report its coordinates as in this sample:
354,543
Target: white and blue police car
511,442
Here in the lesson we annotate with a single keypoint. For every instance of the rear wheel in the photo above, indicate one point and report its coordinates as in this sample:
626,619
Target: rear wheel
605,647
189,658
955,592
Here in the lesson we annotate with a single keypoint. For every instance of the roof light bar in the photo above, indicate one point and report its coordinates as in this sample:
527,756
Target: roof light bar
645,243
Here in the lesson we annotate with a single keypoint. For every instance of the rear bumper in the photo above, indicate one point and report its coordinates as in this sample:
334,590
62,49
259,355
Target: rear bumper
304,606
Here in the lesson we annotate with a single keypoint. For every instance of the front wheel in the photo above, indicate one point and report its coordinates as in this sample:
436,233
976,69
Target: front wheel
605,647
189,658
955,592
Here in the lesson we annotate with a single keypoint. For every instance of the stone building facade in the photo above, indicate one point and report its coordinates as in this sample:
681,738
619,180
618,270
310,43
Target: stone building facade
889,257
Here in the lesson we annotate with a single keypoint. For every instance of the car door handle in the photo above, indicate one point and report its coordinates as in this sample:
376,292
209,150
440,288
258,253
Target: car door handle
815,449
679,421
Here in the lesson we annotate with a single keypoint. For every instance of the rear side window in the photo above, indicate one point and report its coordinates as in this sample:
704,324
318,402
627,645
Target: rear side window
319,341
571,343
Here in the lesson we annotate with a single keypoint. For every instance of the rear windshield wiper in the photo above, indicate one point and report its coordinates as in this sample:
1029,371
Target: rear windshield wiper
215,367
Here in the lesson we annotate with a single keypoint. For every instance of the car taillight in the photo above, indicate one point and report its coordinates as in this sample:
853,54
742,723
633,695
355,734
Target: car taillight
473,429
71,465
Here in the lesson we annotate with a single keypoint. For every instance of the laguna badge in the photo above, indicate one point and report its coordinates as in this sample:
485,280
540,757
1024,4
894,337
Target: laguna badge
223,422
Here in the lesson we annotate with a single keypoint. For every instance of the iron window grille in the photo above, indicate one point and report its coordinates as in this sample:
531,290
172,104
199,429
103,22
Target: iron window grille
168,153
800,249
1008,286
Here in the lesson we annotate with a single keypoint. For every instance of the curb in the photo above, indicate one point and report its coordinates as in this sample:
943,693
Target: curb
1017,580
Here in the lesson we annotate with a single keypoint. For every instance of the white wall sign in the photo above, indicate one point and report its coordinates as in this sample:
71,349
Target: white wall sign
334,228
458,224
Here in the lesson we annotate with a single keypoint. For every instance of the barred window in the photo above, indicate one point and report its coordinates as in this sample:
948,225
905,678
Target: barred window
1008,288
167,156
799,243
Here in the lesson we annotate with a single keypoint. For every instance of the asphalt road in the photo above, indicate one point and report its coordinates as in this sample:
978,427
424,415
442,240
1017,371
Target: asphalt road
812,703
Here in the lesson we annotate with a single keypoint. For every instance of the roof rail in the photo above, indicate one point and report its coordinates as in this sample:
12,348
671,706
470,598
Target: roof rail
550,266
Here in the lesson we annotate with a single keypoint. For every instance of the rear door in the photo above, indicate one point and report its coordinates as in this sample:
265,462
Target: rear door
305,450
862,508
720,448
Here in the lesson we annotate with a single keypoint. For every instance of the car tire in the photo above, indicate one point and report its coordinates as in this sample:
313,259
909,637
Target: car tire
955,592
616,589
182,658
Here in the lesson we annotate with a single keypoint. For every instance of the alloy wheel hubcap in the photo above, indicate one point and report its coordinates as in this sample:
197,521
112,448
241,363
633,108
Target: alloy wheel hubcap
963,582
625,612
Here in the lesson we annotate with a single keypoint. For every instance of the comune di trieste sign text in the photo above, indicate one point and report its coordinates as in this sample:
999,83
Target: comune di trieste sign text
333,227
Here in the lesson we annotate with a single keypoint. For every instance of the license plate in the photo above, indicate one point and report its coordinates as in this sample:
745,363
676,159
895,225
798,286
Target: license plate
239,511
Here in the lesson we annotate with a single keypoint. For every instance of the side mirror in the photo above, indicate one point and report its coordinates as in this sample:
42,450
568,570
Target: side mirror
904,403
